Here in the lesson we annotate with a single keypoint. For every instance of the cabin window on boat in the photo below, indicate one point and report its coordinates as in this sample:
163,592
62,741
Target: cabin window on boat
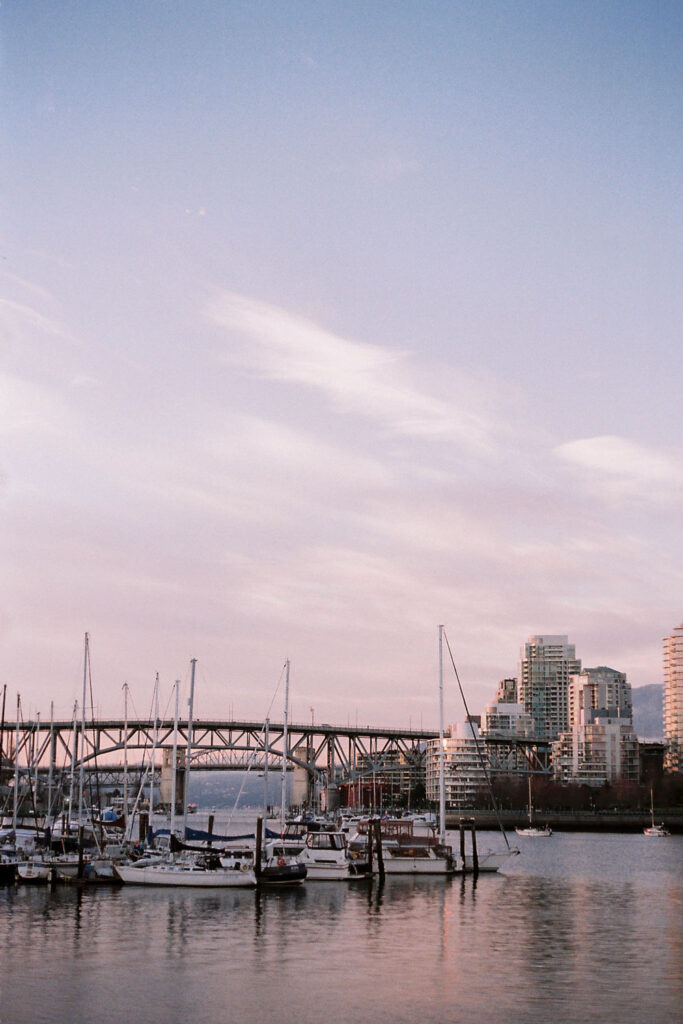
325,841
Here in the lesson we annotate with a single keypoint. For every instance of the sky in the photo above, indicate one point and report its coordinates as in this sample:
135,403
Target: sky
324,323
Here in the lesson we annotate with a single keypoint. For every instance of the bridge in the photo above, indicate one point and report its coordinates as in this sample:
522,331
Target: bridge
320,754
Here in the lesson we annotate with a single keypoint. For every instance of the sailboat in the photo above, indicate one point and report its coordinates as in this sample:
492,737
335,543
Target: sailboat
657,831
532,831
400,850
190,868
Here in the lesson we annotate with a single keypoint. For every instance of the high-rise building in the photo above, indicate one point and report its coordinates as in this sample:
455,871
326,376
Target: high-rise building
673,701
546,664
506,720
465,765
596,688
600,745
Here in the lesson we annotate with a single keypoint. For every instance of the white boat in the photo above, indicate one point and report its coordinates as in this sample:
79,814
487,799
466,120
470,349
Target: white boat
655,831
490,860
195,872
403,851
327,857
34,871
97,867
535,832
417,858
532,831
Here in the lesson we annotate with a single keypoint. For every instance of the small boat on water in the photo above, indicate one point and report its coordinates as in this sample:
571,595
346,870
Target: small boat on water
403,851
37,870
532,831
327,856
209,870
653,830
280,868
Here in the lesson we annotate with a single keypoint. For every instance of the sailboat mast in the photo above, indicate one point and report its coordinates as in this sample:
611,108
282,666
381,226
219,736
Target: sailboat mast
74,755
51,766
81,769
15,802
36,752
284,750
2,721
442,765
125,760
155,740
189,747
174,762
265,771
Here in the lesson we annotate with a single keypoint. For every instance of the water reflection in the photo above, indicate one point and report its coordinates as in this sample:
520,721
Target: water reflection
580,934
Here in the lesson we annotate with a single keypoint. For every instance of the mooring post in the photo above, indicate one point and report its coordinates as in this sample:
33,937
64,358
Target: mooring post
370,838
462,845
475,859
211,817
259,846
380,855
80,851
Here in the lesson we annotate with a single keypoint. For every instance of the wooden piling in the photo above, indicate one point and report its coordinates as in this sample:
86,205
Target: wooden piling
259,847
370,845
380,855
80,851
475,858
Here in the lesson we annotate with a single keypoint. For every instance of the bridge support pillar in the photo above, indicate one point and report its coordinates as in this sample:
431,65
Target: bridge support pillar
166,786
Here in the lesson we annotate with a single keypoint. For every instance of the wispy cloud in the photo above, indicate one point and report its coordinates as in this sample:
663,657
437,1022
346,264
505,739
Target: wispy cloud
28,408
357,377
625,465
13,312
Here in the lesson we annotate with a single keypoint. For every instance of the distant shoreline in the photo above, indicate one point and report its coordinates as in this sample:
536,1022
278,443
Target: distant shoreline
568,821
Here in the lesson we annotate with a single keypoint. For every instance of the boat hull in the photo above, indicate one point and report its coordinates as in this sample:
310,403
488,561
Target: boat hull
163,875
319,871
33,874
288,874
8,871
489,862
417,866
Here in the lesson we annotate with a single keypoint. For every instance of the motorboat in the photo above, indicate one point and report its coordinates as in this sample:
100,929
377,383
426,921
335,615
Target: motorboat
278,867
404,852
327,856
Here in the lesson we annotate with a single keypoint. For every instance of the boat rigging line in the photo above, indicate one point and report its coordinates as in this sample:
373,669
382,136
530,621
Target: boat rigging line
482,759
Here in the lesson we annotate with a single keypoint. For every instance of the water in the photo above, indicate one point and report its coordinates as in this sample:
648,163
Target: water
580,928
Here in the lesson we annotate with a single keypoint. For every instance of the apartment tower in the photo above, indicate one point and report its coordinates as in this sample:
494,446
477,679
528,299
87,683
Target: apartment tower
673,701
546,664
